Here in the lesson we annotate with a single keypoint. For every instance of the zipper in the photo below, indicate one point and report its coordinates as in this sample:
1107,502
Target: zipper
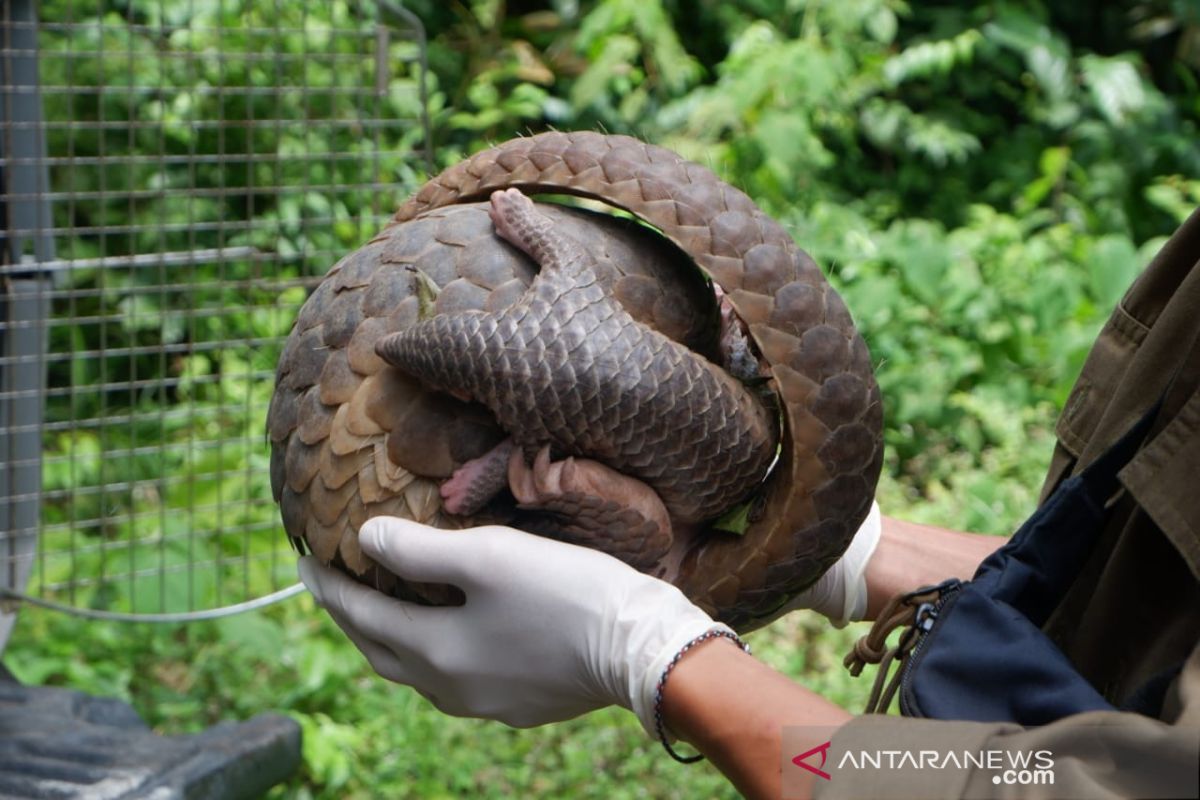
925,622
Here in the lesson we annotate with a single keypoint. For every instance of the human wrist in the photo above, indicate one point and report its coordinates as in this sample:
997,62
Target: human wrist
689,687
912,554
661,730
645,682
734,709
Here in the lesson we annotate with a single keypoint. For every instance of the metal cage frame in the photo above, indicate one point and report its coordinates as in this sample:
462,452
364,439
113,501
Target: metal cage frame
58,238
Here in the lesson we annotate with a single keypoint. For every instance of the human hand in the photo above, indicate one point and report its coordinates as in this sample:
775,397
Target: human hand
549,630
841,593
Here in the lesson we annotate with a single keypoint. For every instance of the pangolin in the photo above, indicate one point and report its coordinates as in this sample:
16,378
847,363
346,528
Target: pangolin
353,437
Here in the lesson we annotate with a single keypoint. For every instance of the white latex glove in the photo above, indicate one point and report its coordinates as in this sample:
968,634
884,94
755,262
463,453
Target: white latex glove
841,593
549,630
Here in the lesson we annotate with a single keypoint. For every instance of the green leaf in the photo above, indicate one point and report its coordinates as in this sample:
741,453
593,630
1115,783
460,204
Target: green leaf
1176,195
1045,53
894,127
931,58
1116,87
882,25
615,56
1112,266
1052,165
427,293
736,520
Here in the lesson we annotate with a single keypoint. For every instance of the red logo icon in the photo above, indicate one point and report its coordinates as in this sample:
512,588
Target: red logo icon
823,749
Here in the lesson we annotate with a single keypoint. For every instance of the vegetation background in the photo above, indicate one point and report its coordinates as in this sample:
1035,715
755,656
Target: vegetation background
982,180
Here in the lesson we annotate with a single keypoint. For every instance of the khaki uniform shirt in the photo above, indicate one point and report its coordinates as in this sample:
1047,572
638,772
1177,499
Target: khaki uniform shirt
1132,616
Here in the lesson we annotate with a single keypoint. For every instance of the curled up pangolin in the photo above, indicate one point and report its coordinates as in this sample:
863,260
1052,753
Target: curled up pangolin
664,434
436,374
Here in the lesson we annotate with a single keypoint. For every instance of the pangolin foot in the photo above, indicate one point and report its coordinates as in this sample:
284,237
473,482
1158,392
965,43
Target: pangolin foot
477,481
597,506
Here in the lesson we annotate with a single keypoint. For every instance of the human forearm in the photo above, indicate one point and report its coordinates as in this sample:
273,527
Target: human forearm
733,708
910,555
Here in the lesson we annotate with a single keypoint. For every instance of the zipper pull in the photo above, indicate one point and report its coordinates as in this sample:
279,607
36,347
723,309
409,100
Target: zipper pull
926,615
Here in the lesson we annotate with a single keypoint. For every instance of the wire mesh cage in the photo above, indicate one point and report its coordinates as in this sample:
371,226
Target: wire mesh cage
177,175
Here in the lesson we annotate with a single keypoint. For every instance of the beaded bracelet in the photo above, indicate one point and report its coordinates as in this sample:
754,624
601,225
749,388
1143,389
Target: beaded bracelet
660,726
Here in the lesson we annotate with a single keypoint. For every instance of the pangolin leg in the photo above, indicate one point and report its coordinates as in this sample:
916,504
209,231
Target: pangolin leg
596,505
477,481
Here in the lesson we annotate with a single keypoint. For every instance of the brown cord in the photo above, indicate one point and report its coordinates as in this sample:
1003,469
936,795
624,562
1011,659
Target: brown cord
873,648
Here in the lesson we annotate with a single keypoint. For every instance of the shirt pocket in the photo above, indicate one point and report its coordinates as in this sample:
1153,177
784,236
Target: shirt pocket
1094,392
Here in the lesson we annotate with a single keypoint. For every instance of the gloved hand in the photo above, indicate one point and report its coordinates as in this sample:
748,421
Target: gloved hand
841,593
549,630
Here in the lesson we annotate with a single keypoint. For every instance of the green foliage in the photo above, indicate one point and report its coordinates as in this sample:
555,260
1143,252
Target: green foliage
977,330
982,181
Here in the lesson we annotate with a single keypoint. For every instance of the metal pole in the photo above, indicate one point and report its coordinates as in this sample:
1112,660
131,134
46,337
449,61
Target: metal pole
397,11
25,298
